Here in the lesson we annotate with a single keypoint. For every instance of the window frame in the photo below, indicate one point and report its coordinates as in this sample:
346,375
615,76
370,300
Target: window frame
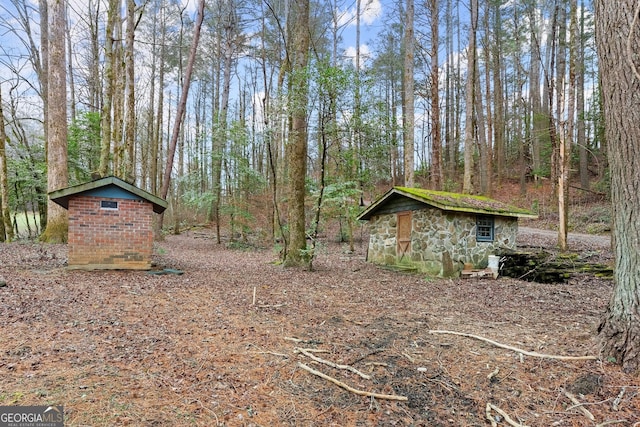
485,228
109,208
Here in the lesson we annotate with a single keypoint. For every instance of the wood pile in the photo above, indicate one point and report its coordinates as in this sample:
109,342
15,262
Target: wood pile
546,267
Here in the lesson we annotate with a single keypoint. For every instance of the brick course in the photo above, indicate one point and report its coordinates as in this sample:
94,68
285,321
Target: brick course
108,238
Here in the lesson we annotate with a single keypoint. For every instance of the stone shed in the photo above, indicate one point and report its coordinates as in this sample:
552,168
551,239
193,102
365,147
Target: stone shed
438,232
110,224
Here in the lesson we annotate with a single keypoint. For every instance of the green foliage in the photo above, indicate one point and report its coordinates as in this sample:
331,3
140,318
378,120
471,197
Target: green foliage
27,181
339,197
84,146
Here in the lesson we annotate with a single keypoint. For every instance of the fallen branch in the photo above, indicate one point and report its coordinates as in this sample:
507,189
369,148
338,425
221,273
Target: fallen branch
517,350
273,305
618,399
349,388
579,405
411,359
492,375
301,341
332,364
491,406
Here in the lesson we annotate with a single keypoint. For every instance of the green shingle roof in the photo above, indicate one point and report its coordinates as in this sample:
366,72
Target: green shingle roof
454,202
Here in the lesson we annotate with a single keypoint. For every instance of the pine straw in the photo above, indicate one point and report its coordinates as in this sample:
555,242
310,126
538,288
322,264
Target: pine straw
128,348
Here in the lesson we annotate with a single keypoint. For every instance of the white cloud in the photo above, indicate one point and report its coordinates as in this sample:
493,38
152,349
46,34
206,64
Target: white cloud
370,10
365,54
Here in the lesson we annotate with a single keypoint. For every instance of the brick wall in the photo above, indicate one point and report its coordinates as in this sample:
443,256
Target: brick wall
119,238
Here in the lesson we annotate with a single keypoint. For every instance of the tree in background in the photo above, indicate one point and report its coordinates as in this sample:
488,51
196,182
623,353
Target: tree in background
6,230
469,130
408,97
618,37
436,145
57,169
171,151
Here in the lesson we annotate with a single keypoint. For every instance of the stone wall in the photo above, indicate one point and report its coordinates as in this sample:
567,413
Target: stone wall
441,242
119,238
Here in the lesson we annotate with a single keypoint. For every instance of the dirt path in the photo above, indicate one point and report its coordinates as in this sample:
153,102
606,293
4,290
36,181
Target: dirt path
550,237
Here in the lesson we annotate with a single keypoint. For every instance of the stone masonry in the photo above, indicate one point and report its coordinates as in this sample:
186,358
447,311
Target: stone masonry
441,242
101,238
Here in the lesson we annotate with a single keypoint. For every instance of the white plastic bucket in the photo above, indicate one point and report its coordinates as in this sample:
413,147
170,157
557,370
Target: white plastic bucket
494,261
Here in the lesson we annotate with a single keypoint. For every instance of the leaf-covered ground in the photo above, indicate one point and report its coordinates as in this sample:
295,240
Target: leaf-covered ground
218,344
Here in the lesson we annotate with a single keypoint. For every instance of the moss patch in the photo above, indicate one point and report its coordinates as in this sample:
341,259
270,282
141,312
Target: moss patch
464,202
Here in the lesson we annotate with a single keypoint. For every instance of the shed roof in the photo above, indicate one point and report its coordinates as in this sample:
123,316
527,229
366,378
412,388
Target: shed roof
454,202
63,195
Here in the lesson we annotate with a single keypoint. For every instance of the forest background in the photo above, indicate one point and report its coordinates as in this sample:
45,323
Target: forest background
450,95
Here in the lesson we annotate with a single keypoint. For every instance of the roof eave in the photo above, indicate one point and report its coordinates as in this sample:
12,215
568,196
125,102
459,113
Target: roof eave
61,197
370,211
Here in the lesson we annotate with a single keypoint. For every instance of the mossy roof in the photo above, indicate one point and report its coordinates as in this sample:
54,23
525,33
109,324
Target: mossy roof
62,196
454,202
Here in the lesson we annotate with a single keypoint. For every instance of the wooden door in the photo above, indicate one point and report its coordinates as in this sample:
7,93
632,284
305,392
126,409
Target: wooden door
403,236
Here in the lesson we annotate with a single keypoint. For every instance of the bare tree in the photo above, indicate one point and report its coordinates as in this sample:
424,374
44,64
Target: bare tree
408,96
182,105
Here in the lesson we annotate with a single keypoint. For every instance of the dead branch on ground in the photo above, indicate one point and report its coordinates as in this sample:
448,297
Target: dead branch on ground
579,405
517,350
491,406
307,353
349,388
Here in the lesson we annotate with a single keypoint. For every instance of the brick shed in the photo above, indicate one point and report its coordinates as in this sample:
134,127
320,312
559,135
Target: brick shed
438,232
110,224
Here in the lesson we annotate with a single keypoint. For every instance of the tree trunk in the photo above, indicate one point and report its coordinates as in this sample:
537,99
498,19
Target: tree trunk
105,148
581,139
617,37
297,146
157,139
128,173
408,123
117,123
567,141
498,97
469,135
57,170
483,145
43,73
561,91
436,145
540,122
72,88
226,40
6,230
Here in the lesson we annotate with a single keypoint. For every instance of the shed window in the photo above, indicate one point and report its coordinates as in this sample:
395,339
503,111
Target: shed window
108,204
484,229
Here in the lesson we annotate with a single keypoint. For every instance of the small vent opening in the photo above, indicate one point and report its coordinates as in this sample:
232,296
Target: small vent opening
108,204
